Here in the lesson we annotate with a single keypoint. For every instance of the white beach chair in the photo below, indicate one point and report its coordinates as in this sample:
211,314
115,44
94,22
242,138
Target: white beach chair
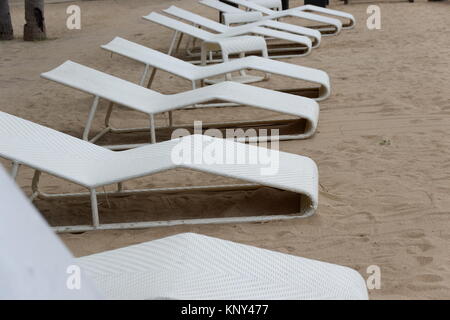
93,167
158,60
204,22
347,18
303,112
299,45
325,24
35,264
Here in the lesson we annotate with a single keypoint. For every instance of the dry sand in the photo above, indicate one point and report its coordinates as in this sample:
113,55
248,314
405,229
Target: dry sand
382,146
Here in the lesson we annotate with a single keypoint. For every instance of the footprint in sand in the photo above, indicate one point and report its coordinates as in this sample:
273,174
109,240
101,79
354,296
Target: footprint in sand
281,234
414,234
418,248
424,260
429,278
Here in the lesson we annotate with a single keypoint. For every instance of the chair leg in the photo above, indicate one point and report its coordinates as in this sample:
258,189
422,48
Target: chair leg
94,208
189,44
203,55
177,48
35,185
15,169
152,129
90,118
241,72
170,119
194,86
108,114
144,75
172,44
152,77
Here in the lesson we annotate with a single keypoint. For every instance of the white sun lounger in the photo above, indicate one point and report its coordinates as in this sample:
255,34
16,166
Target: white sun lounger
204,22
348,19
35,264
93,167
128,94
301,45
194,73
193,266
327,25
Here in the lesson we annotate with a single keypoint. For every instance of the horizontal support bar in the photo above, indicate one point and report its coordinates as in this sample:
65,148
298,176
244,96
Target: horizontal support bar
215,125
215,188
150,224
100,134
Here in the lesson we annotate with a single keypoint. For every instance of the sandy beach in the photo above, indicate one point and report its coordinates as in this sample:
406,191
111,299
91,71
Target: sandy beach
382,145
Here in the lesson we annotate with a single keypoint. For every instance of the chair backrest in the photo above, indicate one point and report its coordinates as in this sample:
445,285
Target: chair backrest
180,26
46,149
34,263
253,6
152,57
221,6
196,19
106,86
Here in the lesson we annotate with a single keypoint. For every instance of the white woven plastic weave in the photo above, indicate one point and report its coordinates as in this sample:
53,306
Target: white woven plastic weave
192,266
92,166
349,19
285,31
34,265
33,260
244,17
273,14
131,95
276,4
236,31
192,72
